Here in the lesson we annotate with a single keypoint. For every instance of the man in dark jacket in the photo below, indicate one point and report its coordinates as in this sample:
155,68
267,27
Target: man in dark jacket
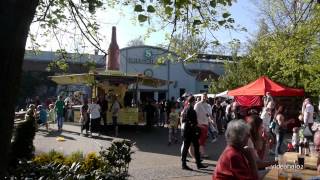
104,108
191,134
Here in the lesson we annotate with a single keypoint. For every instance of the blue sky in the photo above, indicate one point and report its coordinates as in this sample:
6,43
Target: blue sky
242,11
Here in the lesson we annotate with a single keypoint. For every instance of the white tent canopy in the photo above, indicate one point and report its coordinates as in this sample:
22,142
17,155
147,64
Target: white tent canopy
224,94
201,94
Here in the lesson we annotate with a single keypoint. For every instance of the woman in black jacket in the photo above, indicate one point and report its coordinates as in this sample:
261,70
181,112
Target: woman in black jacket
191,135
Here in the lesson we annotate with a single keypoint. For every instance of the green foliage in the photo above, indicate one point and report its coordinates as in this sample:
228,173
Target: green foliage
91,162
74,157
55,156
111,163
118,156
290,57
41,159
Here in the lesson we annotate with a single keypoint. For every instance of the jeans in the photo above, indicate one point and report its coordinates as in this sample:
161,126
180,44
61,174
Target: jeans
212,132
172,134
279,137
60,121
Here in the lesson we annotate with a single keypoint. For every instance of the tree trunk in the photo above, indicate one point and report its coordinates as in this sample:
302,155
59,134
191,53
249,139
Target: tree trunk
15,19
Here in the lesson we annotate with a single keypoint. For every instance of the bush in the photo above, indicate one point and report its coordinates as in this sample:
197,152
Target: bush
118,157
41,159
111,163
91,162
55,156
74,157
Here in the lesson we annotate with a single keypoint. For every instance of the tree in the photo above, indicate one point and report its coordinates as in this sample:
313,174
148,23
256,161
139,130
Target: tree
281,14
136,42
16,17
290,57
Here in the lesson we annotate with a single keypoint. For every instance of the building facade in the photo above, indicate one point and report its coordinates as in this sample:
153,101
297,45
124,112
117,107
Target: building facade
185,77
151,61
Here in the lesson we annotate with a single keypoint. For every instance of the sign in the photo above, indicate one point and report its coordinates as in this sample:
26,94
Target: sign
147,58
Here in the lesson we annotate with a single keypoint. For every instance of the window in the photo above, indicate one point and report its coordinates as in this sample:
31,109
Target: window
205,86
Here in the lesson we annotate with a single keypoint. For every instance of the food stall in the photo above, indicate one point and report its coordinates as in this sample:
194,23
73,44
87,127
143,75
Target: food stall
110,83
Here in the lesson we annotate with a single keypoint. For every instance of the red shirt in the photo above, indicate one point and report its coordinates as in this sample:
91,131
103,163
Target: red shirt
233,165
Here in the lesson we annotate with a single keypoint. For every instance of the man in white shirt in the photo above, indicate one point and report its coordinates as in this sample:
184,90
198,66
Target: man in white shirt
204,111
95,116
308,113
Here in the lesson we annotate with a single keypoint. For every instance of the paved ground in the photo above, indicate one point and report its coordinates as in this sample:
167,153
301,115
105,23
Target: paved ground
153,158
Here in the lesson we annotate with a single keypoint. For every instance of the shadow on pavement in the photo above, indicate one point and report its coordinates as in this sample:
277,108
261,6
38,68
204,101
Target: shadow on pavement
155,140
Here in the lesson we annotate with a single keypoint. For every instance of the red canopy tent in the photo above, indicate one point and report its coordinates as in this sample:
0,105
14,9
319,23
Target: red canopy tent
249,95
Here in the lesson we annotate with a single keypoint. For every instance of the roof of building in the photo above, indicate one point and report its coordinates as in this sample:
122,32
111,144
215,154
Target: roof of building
49,56
202,75
214,58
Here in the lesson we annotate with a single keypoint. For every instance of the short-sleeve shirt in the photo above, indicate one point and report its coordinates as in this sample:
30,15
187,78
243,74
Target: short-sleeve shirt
59,107
94,110
202,109
309,109
173,119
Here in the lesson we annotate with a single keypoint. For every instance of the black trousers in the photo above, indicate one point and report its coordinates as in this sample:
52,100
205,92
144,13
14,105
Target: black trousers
85,125
186,144
95,125
104,118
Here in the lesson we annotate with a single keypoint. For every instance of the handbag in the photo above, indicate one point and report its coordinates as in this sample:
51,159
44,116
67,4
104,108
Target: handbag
307,132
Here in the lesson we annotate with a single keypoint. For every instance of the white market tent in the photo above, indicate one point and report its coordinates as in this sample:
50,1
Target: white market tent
201,94
224,94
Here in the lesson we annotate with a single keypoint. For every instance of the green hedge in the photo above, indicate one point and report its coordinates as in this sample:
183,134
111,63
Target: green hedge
109,163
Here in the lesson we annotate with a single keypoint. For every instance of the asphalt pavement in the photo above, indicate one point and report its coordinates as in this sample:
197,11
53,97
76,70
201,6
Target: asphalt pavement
153,158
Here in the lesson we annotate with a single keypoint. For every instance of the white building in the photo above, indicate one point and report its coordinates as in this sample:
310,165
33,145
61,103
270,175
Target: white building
186,77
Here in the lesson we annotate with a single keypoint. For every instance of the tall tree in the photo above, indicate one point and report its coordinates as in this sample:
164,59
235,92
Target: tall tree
281,14
290,57
17,15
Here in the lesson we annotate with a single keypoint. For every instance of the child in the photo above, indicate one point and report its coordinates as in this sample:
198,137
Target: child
295,138
173,122
42,113
51,114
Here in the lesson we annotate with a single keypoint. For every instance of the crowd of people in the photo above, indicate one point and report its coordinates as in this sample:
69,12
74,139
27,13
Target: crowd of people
250,136
249,139
92,112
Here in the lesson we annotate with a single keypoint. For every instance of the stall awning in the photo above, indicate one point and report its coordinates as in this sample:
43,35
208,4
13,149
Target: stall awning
97,78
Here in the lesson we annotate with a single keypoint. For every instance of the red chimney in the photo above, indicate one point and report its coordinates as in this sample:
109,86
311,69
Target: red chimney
113,52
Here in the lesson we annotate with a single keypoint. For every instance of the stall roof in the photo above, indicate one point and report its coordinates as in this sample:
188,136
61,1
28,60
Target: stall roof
262,85
110,77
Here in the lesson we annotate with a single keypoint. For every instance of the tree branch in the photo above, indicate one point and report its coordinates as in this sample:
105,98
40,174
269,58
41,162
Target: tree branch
82,32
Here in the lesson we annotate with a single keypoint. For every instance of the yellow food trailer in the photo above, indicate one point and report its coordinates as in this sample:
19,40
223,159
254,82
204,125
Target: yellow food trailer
116,83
